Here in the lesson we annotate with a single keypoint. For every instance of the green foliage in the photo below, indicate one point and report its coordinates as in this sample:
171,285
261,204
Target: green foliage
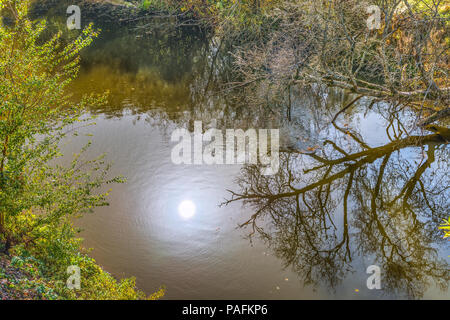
39,198
35,113
50,258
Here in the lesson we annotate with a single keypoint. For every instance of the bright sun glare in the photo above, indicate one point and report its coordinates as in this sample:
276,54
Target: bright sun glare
186,209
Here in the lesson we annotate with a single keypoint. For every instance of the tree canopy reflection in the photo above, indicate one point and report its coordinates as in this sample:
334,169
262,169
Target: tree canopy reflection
348,199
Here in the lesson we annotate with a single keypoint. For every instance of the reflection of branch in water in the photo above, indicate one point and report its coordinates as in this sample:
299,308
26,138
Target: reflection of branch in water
389,211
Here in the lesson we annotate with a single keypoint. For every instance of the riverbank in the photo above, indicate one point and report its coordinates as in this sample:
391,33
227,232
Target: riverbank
20,280
27,276
40,246
108,11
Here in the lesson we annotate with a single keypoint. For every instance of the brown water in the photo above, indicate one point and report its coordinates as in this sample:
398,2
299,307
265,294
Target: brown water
310,248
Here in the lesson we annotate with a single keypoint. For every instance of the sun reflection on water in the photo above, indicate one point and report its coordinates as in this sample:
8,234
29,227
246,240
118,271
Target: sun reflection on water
186,209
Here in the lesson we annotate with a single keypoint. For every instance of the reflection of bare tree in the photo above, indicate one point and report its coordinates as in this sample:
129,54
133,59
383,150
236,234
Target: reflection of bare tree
401,207
370,201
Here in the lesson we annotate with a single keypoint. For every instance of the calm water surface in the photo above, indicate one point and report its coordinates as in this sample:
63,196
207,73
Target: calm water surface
162,80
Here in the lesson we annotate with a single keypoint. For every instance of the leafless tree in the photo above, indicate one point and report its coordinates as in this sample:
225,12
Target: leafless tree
329,42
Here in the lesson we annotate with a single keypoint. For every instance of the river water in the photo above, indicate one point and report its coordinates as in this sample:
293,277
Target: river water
161,79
